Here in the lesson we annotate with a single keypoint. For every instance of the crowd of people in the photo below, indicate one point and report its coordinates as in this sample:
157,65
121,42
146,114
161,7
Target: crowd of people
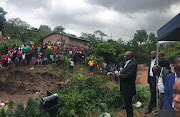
107,69
33,54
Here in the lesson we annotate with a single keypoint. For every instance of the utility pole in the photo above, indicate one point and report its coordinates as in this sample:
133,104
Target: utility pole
3,26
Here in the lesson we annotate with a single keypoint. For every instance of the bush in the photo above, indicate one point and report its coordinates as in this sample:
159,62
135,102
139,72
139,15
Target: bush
89,96
32,109
48,52
9,42
171,56
95,58
65,61
142,92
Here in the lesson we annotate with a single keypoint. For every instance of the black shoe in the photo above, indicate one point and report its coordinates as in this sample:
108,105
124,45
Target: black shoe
148,111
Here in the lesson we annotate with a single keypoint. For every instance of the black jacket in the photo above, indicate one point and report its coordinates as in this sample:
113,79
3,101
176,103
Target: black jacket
150,79
128,78
164,74
164,63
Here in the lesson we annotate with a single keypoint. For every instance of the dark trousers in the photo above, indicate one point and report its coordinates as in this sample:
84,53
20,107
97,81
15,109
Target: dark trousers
91,68
161,100
128,105
152,85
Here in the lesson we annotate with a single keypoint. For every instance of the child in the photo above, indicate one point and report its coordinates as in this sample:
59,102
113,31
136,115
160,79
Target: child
24,58
16,62
19,56
51,58
0,66
71,64
39,61
35,61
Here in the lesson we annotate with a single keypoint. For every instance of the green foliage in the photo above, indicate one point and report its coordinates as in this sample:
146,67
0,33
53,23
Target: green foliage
172,55
3,111
15,28
95,58
10,104
89,96
100,33
32,109
140,36
91,37
139,73
78,75
65,61
142,92
44,30
10,42
48,52
19,110
59,29
2,19
171,51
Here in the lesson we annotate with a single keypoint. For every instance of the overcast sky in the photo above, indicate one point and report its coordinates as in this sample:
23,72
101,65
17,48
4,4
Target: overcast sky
120,17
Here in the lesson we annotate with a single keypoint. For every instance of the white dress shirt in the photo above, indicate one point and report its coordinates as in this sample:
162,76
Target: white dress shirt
160,83
152,64
127,62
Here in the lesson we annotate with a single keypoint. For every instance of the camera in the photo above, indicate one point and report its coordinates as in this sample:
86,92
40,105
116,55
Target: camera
50,104
49,101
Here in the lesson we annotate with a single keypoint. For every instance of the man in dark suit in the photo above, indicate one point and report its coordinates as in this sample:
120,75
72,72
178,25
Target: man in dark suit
127,82
170,112
170,80
152,83
162,62
176,97
162,73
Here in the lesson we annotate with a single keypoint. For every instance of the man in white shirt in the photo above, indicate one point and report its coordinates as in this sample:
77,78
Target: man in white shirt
152,83
162,73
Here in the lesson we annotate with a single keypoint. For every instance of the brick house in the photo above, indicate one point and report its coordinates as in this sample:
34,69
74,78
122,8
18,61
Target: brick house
64,39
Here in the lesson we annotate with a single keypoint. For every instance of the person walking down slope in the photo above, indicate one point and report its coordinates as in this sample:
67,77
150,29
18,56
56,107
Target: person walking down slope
90,63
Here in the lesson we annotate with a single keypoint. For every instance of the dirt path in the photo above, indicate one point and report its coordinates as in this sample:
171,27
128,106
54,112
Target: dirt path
142,75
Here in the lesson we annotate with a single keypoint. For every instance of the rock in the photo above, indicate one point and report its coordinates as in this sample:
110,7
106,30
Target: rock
2,104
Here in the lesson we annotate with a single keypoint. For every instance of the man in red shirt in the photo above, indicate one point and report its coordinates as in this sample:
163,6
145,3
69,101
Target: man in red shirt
68,47
5,60
9,48
55,48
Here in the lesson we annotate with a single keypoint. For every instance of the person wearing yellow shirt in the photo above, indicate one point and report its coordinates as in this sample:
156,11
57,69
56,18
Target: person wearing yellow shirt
90,63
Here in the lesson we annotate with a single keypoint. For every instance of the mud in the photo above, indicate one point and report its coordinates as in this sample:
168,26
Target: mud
20,82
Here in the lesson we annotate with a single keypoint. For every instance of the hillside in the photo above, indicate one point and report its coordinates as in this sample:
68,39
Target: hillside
20,84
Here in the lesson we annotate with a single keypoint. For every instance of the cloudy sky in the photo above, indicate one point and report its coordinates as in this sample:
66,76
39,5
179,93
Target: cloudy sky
120,17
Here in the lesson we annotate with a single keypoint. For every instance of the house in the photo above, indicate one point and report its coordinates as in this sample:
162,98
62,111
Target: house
64,39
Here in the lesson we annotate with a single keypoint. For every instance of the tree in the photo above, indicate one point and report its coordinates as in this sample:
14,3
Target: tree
120,40
15,28
91,37
2,19
140,36
44,30
106,50
152,38
45,27
100,33
59,29
152,41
